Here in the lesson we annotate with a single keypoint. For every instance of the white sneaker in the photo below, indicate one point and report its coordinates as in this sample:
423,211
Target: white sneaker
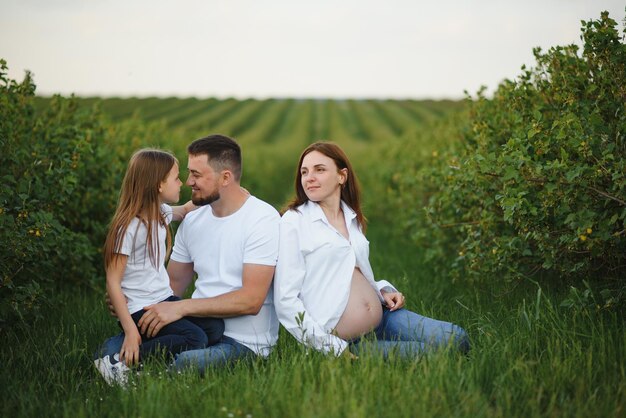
112,369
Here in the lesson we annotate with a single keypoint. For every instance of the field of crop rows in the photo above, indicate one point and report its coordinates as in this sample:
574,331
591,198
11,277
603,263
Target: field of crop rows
277,120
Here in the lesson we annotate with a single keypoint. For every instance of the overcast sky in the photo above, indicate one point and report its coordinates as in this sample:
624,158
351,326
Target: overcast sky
283,48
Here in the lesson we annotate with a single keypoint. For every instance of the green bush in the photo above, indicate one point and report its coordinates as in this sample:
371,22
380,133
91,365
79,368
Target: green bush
59,184
535,185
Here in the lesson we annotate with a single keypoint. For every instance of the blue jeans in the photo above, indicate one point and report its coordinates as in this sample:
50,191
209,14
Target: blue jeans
188,333
406,334
226,351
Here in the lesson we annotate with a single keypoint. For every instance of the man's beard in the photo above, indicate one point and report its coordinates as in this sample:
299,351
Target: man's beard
206,200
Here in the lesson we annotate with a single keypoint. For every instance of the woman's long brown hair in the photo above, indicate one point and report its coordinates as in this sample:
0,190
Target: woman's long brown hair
139,197
350,193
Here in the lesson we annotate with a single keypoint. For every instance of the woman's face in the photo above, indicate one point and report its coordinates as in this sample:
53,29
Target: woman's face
321,179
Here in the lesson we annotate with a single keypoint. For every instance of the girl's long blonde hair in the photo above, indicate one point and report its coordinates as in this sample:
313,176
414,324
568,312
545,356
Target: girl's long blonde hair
139,197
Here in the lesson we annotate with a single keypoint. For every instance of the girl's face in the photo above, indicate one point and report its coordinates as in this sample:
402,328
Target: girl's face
321,179
169,189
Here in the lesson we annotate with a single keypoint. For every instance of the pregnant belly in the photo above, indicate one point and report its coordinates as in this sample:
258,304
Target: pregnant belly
363,312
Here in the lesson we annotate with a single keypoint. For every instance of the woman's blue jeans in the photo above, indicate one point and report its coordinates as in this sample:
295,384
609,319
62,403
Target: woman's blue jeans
406,334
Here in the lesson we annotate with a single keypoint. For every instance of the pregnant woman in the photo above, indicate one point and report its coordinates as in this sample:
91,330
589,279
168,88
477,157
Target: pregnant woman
324,289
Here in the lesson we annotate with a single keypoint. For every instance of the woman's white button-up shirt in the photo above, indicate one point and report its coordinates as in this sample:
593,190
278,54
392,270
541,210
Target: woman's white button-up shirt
314,274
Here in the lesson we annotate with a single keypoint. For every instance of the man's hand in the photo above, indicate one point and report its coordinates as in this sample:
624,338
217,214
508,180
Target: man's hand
107,299
159,315
393,300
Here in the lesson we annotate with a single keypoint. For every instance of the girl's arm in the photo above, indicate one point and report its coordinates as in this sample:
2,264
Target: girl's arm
115,271
179,212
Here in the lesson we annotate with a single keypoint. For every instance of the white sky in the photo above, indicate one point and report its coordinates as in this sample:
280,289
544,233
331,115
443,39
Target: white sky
283,48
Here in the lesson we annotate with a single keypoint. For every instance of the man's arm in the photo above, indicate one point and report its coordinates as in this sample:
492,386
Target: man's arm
248,300
181,275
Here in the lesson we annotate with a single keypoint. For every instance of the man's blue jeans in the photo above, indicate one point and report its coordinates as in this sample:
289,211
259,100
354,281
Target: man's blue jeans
408,335
225,352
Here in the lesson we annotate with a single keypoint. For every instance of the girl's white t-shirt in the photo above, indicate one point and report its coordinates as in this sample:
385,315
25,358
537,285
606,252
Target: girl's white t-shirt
144,284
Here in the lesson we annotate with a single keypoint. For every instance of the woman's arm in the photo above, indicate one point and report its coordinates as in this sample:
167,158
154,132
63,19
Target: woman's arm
288,280
114,273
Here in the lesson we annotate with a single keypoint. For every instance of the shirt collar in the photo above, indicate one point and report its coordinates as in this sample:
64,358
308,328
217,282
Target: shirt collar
318,214
348,213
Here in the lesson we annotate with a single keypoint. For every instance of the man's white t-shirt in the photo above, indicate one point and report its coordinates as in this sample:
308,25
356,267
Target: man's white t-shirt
144,283
218,247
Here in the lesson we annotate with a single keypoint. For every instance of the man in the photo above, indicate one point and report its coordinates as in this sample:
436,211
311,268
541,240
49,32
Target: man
231,242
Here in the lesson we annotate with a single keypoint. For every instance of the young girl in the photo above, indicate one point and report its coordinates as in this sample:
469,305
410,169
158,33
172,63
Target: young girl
134,256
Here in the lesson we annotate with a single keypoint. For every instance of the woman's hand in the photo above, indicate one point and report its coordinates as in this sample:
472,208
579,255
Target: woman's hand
393,300
349,355
129,353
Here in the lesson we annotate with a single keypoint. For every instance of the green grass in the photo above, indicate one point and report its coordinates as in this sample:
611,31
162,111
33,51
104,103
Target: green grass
529,358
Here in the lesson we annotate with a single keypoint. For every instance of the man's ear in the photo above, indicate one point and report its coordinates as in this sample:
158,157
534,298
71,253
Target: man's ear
226,178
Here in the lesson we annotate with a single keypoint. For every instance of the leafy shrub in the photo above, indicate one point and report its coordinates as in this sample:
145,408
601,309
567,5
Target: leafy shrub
536,184
60,174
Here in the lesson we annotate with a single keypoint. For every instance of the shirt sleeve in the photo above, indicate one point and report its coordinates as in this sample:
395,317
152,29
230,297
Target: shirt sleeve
180,252
262,243
386,286
167,212
128,241
288,280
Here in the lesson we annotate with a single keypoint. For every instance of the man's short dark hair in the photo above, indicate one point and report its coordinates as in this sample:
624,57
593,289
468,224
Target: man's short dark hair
223,153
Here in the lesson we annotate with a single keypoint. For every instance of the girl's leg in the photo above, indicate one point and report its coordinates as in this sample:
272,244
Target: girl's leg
212,327
178,336
404,325
111,346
